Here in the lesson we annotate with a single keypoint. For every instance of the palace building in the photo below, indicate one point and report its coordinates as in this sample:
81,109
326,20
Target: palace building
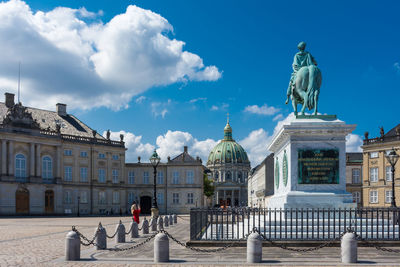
377,178
52,163
229,167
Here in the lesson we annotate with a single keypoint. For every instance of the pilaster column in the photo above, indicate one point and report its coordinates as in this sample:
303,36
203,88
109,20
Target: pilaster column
217,197
232,198
58,156
224,195
32,160
11,158
240,201
38,173
4,157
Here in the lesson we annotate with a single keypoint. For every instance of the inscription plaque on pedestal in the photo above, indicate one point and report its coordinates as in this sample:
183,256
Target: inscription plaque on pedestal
318,166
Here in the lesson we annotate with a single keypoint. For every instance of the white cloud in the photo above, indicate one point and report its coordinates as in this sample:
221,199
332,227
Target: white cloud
353,143
277,117
262,110
134,144
397,66
160,108
198,99
140,99
71,56
223,106
255,145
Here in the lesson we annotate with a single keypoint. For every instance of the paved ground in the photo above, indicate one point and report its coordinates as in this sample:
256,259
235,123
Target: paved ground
41,242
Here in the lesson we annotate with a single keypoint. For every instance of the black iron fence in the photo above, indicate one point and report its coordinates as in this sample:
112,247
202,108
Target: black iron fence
294,224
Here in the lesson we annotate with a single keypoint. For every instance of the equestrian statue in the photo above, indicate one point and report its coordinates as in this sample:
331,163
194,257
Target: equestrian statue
305,81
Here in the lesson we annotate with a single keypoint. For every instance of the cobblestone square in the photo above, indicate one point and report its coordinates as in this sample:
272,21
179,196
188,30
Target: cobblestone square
41,242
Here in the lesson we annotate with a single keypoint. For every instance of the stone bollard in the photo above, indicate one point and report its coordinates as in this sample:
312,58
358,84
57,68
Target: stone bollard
160,223
166,221
349,248
175,218
145,226
101,239
161,248
135,229
254,248
120,236
72,247
154,224
171,220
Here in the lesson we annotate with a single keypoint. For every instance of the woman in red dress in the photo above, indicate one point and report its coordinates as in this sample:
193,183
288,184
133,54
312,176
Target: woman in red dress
135,210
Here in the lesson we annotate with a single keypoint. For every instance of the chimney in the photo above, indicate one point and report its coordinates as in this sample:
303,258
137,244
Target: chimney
9,99
61,109
185,149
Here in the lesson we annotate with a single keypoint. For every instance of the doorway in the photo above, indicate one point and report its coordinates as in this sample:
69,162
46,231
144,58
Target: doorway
22,201
145,205
49,201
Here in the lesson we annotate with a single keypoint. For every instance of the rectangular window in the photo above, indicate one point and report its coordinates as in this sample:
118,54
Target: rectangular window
175,178
356,197
373,196
146,177
373,155
160,198
68,197
115,197
84,174
131,198
102,197
175,198
190,198
102,176
388,173
67,152
83,197
373,174
115,176
68,173
160,177
355,176
131,177
115,157
102,156
190,177
388,196
83,154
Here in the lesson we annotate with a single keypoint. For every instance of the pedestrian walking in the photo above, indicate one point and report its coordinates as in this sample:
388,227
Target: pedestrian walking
135,210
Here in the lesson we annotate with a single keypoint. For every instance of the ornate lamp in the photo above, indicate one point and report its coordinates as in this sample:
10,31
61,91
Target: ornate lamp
154,160
392,158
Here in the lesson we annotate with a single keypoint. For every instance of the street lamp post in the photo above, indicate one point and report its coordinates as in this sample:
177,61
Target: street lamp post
392,157
155,160
79,198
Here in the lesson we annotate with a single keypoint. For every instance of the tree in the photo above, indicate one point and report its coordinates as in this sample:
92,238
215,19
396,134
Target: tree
208,187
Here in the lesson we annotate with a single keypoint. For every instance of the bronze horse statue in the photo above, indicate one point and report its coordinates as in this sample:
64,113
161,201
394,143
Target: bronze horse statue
305,89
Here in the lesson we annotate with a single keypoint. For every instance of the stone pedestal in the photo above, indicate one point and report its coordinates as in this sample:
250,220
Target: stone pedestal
310,163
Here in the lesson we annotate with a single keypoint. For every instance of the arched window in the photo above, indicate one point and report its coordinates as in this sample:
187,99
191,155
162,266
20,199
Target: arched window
240,179
47,168
228,175
20,166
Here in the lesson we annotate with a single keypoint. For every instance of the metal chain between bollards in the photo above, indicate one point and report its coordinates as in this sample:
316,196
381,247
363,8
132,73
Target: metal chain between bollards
376,246
137,245
302,249
116,231
203,250
81,236
127,233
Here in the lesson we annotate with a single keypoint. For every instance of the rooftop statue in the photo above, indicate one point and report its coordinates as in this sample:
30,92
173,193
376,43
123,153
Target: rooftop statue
305,81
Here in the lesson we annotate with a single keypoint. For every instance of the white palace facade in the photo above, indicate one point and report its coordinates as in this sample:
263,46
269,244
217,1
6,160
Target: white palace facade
52,163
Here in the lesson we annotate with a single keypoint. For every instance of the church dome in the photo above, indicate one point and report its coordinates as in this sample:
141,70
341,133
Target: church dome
227,150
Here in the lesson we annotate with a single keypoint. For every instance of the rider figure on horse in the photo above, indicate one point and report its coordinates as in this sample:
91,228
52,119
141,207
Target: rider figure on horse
301,59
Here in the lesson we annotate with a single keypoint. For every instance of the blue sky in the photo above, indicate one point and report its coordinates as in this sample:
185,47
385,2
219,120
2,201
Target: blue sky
248,47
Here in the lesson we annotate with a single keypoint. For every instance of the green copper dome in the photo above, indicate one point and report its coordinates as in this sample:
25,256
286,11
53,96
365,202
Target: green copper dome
227,150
